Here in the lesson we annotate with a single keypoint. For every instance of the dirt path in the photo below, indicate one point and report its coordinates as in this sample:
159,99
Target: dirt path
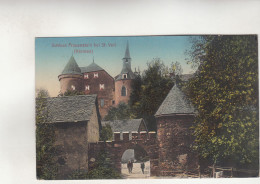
136,172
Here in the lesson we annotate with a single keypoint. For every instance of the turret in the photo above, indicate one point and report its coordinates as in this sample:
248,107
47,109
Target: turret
174,119
123,81
71,77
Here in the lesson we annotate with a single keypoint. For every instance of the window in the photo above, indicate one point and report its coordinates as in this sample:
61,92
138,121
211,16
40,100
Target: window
123,91
101,86
95,75
73,87
124,76
87,87
102,102
113,102
86,76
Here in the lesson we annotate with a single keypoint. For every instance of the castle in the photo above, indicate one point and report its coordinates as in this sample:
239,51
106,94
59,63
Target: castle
77,123
95,80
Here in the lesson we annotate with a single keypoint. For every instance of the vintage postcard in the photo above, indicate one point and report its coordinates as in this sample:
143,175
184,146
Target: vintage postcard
147,107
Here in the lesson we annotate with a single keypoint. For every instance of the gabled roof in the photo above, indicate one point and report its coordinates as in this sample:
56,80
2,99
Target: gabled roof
128,125
71,67
175,103
93,67
70,108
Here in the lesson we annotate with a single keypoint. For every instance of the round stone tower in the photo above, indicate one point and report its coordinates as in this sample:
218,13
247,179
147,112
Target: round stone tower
123,81
174,119
71,78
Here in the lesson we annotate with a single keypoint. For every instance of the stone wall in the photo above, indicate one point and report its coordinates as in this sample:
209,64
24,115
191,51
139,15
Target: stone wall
117,147
169,151
175,145
93,127
72,147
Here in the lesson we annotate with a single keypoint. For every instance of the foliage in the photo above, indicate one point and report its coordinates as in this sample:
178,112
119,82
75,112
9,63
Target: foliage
97,173
78,175
176,68
106,133
46,168
149,91
102,169
175,73
71,93
103,173
42,93
122,111
225,92
136,94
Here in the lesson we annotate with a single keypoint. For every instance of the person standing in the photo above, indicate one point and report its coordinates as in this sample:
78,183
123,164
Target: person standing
129,166
142,167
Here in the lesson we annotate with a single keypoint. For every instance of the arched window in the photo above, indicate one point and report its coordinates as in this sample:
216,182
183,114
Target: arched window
124,76
123,91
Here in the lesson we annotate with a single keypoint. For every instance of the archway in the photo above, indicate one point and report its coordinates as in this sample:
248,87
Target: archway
137,155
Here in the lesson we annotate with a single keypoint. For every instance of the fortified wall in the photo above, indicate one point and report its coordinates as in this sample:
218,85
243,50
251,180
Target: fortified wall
116,148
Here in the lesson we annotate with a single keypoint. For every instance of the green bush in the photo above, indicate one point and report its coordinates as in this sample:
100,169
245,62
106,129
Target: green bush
97,173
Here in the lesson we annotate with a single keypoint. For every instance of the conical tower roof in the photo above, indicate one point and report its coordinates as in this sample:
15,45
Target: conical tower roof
175,103
127,53
71,67
126,66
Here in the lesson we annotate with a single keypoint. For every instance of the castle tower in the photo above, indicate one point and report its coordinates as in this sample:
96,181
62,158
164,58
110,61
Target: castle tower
71,77
123,81
174,118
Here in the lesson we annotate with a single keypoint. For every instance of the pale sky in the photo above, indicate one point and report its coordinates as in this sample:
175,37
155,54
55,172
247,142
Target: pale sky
51,60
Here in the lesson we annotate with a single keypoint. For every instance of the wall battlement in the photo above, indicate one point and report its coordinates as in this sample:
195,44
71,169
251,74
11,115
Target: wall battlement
141,136
130,136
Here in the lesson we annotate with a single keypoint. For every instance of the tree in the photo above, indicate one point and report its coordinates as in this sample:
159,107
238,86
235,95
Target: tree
106,133
176,72
46,167
122,111
135,95
225,92
176,68
42,93
150,90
